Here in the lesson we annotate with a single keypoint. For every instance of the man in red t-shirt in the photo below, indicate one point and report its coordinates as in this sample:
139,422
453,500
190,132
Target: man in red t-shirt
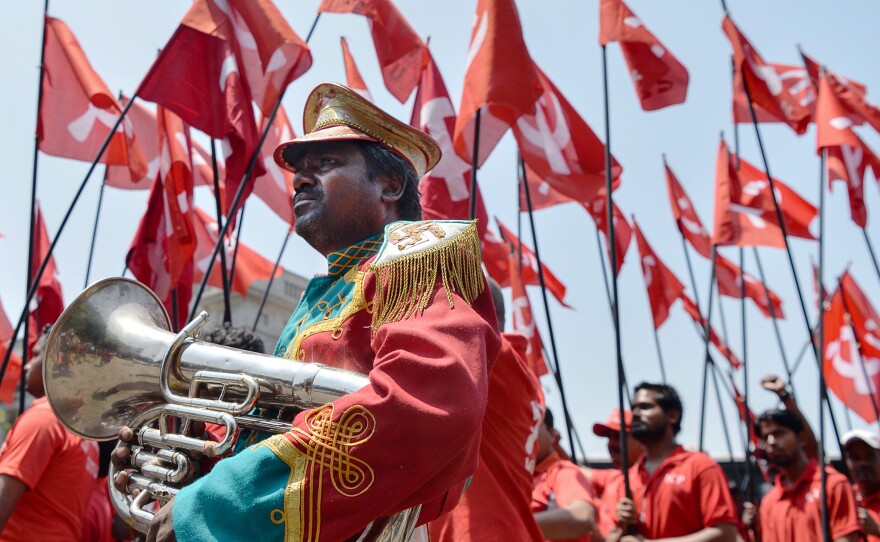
495,505
608,483
862,452
791,510
675,493
46,473
562,498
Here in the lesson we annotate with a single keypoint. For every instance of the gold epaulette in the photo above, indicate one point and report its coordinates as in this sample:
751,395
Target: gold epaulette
413,254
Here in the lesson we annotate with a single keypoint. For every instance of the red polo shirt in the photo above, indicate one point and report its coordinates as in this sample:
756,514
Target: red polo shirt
871,503
558,483
793,513
686,493
608,485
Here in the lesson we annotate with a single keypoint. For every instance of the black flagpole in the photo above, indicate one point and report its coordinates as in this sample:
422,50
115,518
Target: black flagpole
473,199
95,231
871,251
612,249
31,226
225,278
22,320
745,365
604,271
569,424
271,280
239,194
706,337
772,310
237,242
724,425
820,350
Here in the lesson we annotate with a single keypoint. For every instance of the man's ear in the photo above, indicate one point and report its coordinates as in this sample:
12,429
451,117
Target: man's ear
392,188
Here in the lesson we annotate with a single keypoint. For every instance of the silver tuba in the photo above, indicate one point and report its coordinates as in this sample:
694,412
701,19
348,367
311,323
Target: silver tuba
112,361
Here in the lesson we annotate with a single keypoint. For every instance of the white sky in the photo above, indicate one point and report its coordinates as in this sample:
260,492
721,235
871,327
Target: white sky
121,38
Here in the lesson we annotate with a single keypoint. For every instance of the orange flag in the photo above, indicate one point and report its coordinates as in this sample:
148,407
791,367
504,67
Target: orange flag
353,78
664,288
400,50
77,110
500,80
660,79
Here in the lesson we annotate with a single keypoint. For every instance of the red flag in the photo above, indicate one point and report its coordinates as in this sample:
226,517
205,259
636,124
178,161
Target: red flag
745,214
659,77
859,304
161,254
445,190
353,79
851,93
561,148
529,265
746,415
663,286
500,80
143,123
524,321
249,265
13,370
210,93
686,217
622,229
77,110
851,363
848,156
727,276
691,308
795,81
400,50
765,85
48,302
275,188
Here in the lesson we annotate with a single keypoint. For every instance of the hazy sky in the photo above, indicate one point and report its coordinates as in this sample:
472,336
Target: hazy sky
121,38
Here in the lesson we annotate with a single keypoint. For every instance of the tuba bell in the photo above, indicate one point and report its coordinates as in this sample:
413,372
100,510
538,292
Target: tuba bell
112,360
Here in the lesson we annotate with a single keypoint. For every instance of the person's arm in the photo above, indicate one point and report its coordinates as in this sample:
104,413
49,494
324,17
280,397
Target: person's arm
778,386
726,532
576,519
851,537
11,490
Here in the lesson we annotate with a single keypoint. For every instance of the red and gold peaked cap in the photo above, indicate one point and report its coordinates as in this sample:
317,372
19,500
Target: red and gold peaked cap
335,113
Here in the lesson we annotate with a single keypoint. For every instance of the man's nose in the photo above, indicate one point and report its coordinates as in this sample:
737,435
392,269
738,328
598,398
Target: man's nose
302,177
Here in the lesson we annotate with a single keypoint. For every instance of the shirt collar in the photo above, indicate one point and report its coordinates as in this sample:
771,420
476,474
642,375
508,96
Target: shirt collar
674,457
806,477
545,464
342,261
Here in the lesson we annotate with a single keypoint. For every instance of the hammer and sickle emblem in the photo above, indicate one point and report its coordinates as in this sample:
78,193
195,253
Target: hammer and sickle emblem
413,234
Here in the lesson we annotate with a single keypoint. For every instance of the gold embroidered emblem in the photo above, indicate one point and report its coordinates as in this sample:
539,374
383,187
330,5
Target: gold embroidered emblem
413,234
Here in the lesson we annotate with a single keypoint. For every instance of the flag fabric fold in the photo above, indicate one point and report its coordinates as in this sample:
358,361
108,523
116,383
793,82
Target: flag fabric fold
765,85
660,79
400,50
690,307
727,276
852,94
686,217
663,287
500,80
77,110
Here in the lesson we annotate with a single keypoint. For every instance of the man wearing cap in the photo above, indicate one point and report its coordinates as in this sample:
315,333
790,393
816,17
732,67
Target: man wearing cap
608,483
862,451
405,302
791,510
675,493
562,499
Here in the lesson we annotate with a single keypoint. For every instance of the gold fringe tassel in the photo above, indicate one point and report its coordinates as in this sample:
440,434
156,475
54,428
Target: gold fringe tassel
405,285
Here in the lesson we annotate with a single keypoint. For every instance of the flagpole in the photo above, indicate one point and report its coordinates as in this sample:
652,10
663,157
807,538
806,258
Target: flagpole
473,197
95,232
569,424
772,310
745,365
271,280
706,337
225,279
237,239
852,327
724,425
820,350
612,249
604,272
871,251
22,321
240,192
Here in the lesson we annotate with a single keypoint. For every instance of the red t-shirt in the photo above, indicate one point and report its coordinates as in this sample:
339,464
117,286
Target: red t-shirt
608,486
794,513
59,469
98,521
495,506
686,493
558,483
871,503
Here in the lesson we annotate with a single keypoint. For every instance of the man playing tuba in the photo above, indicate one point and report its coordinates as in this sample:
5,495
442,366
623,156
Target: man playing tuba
405,302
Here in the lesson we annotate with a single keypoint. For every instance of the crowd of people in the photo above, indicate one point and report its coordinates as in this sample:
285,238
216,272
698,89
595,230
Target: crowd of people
453,423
